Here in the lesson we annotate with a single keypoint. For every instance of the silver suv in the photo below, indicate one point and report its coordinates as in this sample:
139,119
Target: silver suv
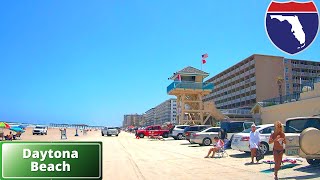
40,130
302,135
177,132
109,131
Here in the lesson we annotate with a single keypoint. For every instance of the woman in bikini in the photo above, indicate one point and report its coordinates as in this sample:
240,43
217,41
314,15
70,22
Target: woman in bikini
278,138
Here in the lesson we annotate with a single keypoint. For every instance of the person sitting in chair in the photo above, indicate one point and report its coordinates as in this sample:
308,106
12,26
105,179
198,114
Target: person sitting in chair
9,136
219,144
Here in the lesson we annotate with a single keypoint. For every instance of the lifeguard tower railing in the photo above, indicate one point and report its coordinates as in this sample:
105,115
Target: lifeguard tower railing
190,85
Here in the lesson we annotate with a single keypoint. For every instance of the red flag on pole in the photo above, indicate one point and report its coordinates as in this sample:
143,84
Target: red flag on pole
204,56
179,77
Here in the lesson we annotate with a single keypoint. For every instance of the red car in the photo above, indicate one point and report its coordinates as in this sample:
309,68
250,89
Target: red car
152,130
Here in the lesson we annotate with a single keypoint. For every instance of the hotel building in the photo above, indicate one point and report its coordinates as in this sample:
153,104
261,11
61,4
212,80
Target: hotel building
254,79
162,113
133,120
149,117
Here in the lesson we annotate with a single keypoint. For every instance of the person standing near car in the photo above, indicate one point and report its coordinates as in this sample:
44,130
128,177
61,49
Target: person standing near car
279,139
223,136
254,142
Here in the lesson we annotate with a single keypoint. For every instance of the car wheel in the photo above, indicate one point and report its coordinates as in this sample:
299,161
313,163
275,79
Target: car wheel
141,135
102,134
175,138
313,161
117,135
33,133
206,142
165,135
180,136
264,147
41,134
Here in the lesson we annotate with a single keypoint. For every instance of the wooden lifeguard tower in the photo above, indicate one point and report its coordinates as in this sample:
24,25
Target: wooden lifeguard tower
189,88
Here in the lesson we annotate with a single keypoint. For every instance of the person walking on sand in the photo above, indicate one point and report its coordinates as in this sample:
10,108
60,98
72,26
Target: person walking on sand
279,139
254,142
219,144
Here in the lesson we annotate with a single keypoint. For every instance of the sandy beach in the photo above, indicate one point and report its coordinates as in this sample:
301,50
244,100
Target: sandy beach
54,134
128,158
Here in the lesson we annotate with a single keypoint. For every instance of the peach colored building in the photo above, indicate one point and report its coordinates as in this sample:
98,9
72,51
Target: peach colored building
307,105
254,79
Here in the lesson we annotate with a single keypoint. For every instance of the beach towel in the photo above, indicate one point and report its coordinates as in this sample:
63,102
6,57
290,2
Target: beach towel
259,154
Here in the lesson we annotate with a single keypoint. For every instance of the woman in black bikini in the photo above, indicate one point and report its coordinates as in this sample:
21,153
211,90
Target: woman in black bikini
278,138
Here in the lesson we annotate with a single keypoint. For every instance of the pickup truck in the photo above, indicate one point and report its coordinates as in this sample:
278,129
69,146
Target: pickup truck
152,130
302,136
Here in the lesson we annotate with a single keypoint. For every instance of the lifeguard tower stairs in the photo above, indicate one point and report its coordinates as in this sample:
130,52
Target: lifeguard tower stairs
189,88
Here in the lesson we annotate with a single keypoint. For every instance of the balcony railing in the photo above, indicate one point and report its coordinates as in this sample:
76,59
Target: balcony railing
235,111
189,85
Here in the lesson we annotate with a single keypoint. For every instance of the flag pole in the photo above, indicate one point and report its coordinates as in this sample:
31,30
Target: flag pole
201,64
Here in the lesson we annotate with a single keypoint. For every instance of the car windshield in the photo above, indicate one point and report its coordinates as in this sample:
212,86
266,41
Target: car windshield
247,125
248,130
111,128
298,125
40,127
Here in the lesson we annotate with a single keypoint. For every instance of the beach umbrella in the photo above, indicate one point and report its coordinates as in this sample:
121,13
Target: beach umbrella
4,125
17,129
22,126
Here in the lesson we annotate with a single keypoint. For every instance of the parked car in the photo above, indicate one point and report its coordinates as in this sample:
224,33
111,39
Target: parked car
177,132
302,136
40,130
188,131
154,130
232,127
240,141
205,137
109,131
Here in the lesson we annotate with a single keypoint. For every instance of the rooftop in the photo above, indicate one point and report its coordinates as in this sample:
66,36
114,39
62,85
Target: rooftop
189,71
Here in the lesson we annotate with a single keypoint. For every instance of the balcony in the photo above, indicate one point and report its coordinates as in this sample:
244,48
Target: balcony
190,86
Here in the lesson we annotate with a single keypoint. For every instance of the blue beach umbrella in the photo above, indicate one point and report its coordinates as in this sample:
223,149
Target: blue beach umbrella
22,126
17,129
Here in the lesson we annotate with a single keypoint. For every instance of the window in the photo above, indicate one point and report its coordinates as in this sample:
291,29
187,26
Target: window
182,127
191,128
298,125
213,130
267,130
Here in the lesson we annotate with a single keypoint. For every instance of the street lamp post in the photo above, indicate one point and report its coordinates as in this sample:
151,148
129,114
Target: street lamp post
279,82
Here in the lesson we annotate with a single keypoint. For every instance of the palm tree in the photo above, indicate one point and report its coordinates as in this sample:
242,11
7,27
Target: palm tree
279,82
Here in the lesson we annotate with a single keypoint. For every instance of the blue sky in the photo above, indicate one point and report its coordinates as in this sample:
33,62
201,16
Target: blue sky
94,61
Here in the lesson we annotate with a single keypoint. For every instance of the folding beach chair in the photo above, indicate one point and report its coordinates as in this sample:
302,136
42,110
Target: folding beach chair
222,152
63,134
17,136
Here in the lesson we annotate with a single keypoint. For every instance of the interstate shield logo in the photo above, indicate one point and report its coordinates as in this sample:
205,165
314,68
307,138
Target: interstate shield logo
292,26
